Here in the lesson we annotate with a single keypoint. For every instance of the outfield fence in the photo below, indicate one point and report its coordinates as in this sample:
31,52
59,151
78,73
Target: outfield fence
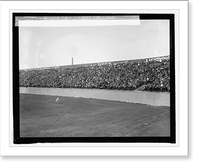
143,97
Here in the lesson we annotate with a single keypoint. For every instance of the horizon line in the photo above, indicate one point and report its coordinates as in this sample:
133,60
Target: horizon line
94,63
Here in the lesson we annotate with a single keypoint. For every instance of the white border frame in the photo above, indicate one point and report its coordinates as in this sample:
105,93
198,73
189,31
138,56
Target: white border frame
79,149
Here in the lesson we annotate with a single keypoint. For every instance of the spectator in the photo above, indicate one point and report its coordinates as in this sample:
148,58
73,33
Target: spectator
153,75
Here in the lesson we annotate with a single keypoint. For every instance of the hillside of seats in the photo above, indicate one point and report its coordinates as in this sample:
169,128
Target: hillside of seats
146,74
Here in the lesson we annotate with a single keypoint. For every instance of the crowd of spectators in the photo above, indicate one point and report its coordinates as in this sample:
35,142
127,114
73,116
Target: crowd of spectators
126,75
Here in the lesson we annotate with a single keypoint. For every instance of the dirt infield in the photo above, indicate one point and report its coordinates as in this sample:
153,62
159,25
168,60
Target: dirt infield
40,116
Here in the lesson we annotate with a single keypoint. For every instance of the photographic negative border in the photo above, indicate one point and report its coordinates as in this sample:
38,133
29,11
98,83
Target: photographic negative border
16,113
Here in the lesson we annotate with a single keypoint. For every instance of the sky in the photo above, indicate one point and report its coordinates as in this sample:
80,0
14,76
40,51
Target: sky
55,46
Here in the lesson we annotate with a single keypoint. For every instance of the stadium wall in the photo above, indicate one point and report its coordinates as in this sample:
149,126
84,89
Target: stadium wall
142,97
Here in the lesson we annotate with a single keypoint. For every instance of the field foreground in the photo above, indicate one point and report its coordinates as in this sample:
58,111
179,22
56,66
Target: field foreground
40,116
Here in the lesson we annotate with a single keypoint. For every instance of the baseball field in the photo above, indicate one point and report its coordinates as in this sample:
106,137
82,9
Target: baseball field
41,116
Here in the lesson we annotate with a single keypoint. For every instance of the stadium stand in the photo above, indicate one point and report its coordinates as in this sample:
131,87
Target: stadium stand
152,74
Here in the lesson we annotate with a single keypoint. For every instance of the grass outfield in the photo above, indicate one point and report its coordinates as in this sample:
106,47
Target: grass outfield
81,117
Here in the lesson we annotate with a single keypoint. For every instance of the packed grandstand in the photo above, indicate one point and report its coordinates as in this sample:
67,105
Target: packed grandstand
152,74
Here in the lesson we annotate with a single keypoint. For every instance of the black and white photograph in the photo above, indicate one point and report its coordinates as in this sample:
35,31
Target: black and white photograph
93,77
